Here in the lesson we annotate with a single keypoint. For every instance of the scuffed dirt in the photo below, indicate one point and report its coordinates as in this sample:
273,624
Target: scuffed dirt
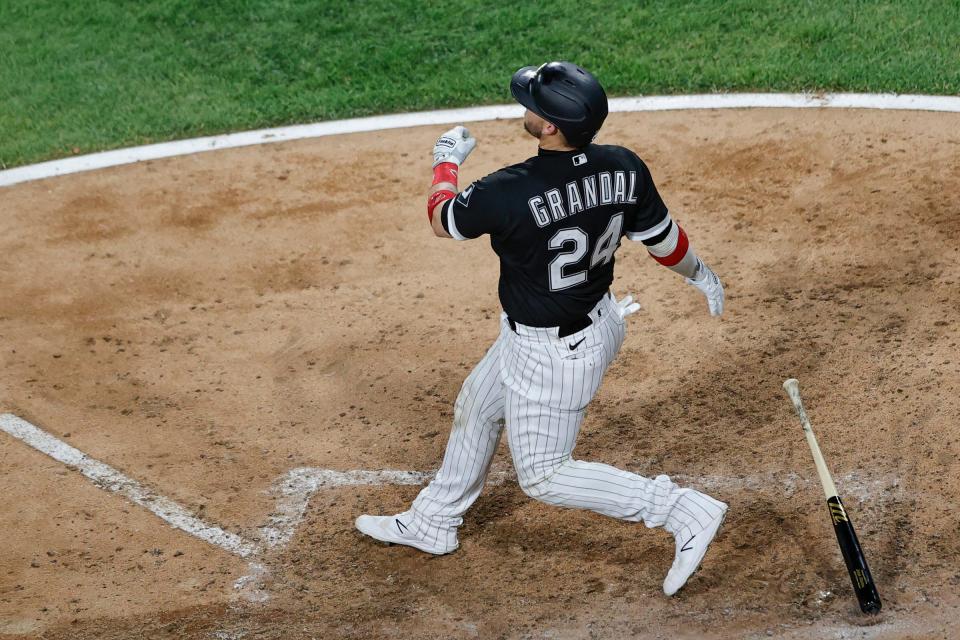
205,324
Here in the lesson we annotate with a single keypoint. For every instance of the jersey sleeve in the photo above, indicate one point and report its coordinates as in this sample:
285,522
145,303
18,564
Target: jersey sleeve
649,217
478,209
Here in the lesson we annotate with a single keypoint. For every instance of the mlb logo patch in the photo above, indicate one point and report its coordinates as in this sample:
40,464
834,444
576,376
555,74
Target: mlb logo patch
579,159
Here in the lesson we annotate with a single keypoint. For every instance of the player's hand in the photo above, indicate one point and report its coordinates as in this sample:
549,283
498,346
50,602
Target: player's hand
710,286
453,146
626,306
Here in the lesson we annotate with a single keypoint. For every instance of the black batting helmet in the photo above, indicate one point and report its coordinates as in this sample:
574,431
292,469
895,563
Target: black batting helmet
564,94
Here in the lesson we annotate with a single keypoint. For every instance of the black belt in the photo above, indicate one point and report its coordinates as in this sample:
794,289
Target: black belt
564,330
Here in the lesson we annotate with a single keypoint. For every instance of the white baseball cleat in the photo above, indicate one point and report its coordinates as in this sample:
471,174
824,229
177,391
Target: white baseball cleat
396,530
691,547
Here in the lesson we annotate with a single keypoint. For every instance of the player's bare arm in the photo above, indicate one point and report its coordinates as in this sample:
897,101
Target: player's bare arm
451,149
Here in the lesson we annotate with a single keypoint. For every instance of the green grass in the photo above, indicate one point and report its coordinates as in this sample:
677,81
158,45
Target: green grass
88,75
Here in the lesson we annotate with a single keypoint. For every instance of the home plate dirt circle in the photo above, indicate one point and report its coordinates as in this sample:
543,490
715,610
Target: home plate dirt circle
207,324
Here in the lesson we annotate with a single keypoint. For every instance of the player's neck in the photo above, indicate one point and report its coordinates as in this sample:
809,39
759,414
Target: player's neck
555,143
556,147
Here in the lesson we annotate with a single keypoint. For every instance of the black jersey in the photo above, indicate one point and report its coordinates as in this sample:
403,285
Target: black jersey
556,221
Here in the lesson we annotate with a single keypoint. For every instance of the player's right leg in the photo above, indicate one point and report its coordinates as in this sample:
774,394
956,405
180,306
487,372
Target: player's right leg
545,407
431,522
541,441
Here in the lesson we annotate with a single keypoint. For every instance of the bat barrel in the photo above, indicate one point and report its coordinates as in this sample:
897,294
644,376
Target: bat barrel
863,585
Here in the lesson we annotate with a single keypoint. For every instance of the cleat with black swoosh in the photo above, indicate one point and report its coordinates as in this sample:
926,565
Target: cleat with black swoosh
397,530
692,541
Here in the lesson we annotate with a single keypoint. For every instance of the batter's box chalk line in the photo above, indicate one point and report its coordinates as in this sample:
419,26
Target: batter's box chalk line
109,479
294,489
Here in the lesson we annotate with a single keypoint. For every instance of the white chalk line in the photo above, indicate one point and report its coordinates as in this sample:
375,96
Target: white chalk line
132,155
109,479
295,488
916,626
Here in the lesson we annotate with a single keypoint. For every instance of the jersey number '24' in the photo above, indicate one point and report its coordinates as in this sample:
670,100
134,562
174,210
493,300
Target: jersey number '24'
603,251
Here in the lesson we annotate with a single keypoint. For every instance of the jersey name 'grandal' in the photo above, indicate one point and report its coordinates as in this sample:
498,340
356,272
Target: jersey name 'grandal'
599,189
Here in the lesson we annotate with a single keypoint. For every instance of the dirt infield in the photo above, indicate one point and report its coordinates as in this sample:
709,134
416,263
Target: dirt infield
205,324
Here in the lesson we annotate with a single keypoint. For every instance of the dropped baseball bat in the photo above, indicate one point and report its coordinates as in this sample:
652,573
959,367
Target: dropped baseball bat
863,585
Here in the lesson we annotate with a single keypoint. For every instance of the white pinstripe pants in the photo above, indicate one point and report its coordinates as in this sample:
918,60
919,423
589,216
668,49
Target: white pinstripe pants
533,381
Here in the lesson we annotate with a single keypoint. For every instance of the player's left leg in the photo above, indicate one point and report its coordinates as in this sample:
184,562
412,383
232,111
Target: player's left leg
477,424
432,520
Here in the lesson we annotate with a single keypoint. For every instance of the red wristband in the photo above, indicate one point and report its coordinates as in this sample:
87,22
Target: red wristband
446,172
677,254
437,198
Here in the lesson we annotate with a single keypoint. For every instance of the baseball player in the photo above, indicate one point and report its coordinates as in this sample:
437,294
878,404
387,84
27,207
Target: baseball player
555,221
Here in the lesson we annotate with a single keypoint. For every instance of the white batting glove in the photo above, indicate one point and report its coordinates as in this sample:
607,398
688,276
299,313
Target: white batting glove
709,285
453,146
626,306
